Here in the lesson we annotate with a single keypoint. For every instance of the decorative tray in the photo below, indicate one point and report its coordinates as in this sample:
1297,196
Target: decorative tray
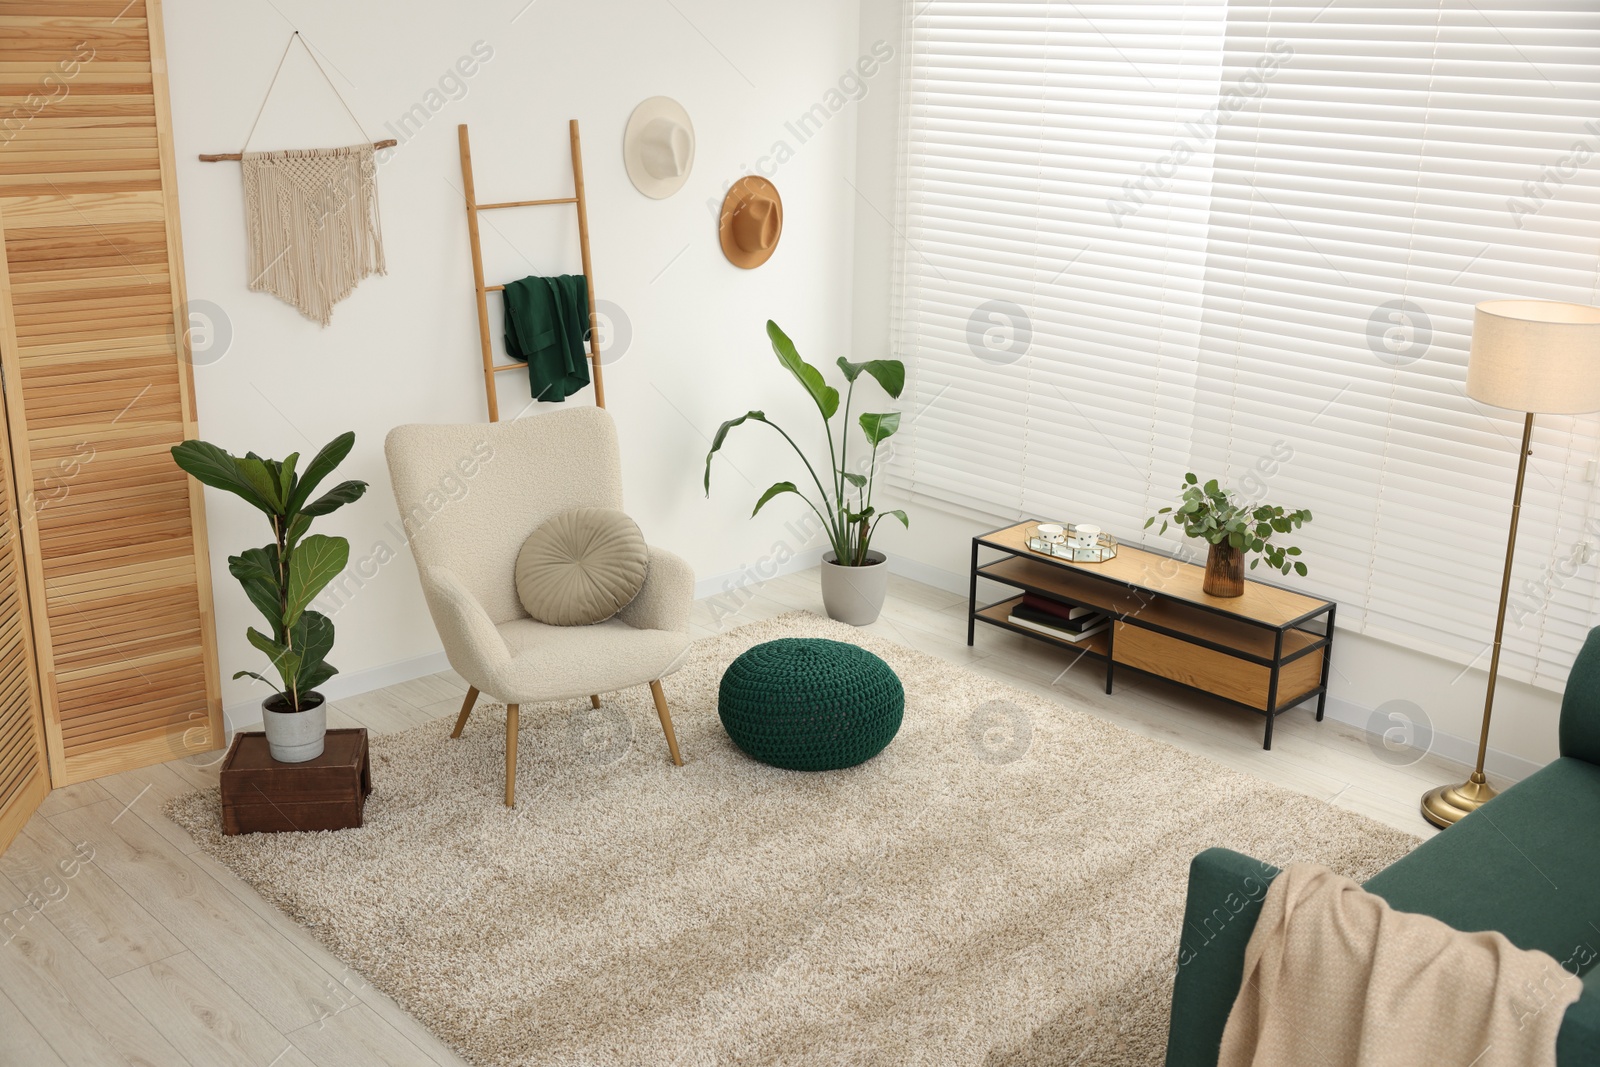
1096,547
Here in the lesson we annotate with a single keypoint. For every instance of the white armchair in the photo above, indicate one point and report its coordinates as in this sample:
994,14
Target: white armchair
469,496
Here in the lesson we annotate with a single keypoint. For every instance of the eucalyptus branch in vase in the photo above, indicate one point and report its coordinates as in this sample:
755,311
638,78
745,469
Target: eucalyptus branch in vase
1234,529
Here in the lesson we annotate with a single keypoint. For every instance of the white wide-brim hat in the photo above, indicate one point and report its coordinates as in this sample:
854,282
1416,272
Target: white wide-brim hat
658,147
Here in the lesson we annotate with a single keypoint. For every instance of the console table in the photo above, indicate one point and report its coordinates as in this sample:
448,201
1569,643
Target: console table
1268,650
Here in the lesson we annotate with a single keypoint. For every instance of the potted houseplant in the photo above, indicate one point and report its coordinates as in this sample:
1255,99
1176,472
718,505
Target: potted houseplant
855,575
1234,529
283,578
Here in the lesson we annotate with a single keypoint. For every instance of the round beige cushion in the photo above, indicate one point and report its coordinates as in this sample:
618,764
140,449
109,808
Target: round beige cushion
581,567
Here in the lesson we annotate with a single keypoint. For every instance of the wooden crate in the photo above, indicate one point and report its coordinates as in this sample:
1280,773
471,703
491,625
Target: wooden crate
261,795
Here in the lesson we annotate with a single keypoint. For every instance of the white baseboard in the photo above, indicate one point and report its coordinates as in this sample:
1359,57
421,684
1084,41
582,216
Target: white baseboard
1460,750
937,577
1505,766
736,584
733,586
247,714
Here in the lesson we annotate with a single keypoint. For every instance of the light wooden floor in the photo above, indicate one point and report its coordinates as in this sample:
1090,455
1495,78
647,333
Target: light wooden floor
154,954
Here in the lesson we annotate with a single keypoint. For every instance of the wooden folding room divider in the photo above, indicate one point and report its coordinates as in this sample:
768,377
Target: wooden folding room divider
24,771
485,330
94,350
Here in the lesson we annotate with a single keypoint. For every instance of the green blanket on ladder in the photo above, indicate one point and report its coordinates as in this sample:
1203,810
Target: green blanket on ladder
546,322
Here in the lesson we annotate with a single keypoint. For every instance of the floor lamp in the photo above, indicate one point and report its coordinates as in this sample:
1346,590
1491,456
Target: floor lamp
1537,357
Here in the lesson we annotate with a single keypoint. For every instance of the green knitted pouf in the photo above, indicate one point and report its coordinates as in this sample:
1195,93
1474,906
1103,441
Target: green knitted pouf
807,704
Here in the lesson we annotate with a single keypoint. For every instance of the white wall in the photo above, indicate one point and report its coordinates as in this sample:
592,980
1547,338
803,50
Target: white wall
1372,679
404,348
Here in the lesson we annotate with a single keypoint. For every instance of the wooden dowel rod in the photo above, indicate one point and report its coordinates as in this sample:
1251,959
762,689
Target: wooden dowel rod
484,339
494,288
512,366
224,157
588,270
530,203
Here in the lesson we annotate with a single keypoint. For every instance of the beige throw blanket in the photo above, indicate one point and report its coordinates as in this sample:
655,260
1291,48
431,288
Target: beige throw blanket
1333,976
312,221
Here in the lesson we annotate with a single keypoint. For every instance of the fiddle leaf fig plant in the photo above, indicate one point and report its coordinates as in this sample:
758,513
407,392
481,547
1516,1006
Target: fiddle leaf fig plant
849,521
1210,513
284,577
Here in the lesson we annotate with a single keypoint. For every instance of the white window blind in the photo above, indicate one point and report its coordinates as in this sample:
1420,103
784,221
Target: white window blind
1052,339
1296,286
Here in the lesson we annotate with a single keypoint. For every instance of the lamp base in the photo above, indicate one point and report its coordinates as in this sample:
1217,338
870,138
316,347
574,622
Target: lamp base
1449,804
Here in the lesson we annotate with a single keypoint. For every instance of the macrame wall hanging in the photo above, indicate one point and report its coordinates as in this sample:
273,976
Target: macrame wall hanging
311,215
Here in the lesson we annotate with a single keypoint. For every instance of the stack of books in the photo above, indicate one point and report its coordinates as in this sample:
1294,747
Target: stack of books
1066,622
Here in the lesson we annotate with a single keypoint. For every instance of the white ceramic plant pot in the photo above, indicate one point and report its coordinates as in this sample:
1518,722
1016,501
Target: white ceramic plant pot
295,736
855,594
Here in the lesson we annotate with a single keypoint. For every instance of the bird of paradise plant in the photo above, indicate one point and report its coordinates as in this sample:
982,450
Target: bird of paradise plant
849,523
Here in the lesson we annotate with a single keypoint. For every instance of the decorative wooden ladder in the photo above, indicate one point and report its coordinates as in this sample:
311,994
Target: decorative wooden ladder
490,369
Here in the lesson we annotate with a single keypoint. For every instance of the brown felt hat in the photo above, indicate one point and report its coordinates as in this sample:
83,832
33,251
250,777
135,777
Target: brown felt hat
752,220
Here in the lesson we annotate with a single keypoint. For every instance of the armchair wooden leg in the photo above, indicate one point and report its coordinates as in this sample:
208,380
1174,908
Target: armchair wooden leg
666,721
511,755
466,709
594,701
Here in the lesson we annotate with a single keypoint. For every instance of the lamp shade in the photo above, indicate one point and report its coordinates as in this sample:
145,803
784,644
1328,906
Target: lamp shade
1541,356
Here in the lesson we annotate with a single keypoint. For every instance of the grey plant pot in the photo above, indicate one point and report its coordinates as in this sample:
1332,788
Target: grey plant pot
295,736
855,594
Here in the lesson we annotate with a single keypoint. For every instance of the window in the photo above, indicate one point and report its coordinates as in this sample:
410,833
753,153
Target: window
1246,239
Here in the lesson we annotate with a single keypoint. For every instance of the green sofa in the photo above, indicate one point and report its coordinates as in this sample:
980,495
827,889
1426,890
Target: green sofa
1526,864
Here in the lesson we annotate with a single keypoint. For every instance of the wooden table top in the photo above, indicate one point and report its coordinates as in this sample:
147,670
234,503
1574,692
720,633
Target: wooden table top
341,749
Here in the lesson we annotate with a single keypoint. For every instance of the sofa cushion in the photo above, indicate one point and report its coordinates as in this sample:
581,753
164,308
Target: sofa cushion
581,567
1526,864
1580,704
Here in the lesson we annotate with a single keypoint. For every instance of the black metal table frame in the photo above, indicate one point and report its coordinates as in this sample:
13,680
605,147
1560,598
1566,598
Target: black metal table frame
1274,665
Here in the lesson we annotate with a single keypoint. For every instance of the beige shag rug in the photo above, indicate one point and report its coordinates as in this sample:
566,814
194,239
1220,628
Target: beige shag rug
1004,884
